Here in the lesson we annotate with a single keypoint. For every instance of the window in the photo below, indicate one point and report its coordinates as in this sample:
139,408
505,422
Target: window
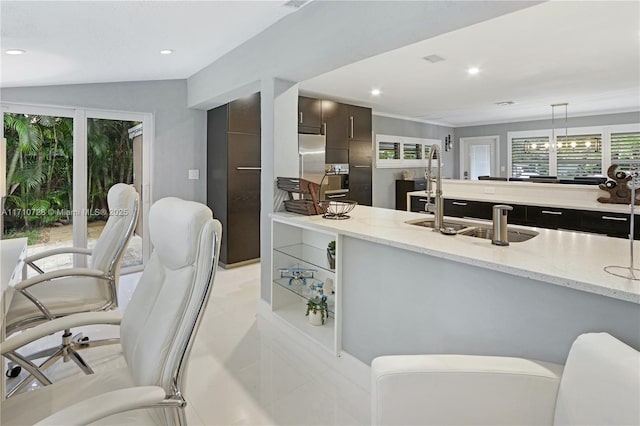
412,151
625,149
579,156
530,157
586,151
388,151
402,151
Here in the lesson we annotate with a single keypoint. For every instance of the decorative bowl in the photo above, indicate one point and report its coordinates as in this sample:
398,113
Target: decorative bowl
337,210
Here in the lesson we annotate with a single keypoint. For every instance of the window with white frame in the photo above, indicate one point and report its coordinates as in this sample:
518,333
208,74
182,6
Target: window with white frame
581,152
625,149
529,157
403,151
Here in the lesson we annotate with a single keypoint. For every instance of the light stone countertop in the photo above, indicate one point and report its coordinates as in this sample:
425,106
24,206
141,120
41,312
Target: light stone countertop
569,259
579,197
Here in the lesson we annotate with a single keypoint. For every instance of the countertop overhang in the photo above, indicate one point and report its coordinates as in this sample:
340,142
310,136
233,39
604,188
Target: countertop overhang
570,259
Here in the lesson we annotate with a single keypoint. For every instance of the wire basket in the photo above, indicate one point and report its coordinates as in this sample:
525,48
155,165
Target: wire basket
337,210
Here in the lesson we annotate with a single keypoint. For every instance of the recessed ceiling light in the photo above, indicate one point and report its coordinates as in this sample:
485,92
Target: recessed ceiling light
166,52
375,92
15,51
473,70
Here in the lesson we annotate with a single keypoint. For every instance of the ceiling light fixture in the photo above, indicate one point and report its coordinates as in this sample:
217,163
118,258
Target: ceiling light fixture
15,51
433,58
505,103
473,70
166,52
553,125
375,92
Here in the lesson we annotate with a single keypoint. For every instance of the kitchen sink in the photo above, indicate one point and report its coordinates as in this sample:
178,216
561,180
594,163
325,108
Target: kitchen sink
430,223
471,229
514,235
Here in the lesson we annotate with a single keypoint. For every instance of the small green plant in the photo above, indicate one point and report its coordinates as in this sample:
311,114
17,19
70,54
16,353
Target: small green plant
318,304
332,247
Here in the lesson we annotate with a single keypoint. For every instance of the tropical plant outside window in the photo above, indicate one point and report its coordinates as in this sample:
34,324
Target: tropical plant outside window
40,173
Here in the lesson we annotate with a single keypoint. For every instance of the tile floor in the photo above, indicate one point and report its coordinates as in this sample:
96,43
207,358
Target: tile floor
243,371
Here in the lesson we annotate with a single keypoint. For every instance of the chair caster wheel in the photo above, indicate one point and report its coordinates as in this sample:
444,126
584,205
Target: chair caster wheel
13,371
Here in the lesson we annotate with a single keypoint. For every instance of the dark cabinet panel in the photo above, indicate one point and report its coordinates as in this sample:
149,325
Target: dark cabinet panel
405,186
244,115
419,203
554,218
466,208
233,177
360,153
359,123
335,125
309,115
612,224
360,184
336,156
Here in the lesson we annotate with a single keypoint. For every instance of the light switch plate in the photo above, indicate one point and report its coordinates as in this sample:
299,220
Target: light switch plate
503,168
194,174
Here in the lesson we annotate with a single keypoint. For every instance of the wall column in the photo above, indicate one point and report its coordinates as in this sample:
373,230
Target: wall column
279,157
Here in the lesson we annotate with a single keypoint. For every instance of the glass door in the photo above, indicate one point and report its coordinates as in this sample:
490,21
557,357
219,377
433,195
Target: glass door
478,157
114,155
57,166
37,191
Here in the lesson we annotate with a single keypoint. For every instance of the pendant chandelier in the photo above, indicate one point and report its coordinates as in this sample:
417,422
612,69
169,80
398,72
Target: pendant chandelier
553,126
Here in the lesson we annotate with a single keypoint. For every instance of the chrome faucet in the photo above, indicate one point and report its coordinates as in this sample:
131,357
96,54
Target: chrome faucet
438,207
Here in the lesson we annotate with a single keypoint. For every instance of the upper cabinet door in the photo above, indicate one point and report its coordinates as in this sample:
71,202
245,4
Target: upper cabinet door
359,123
309,115
335,118
244,115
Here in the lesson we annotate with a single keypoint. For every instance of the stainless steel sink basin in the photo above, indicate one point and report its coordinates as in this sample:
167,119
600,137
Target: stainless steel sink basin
471,229
514,235
430,223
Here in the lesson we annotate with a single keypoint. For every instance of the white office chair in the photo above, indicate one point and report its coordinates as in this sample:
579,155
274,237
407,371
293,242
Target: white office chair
599,385
156,332
67,291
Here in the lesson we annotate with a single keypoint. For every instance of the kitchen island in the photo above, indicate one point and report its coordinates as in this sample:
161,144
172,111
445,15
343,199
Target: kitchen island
406,289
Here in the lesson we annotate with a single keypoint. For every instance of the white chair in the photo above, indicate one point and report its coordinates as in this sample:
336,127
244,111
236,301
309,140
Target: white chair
156,331
62,292
599,385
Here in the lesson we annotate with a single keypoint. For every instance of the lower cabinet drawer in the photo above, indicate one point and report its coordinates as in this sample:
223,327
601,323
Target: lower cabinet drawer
611,224
554,218
465,208
418,204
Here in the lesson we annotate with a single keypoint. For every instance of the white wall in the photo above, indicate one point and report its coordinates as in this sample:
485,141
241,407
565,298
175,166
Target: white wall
180,132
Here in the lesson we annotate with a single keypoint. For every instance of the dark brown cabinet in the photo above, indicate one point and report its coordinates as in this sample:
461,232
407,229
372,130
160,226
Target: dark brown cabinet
309,115
360,173
554,218
359,123
597,222
233,177
612,224
335,119
347,130
403,186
